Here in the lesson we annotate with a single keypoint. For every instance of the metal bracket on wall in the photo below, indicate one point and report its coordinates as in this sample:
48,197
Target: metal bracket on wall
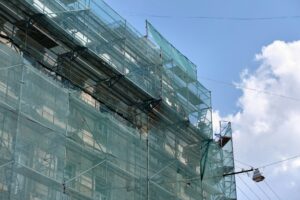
111,81
72,55
69,57
149,104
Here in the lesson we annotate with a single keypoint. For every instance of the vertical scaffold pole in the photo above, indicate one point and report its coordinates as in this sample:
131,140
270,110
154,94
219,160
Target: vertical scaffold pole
14,142
148,151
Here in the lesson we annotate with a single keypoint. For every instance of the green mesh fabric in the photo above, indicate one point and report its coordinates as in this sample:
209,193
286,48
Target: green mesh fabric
93,24
59,142
183,63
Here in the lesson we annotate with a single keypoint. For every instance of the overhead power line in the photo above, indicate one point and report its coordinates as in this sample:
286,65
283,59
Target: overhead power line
272,190
244,193
218,18
249,188
279,161
250,89
263,192
271,163
243,163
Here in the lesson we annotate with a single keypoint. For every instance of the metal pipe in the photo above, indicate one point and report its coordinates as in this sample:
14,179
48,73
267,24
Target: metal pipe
239,172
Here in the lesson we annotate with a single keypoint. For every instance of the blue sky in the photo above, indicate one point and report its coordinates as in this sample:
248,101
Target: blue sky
265,126
220,48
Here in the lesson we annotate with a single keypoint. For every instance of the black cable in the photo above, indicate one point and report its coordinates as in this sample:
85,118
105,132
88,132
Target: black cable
249,188
247,197
273,191
251,89
272,163
280,161
238,166
263,191
243,163
219,18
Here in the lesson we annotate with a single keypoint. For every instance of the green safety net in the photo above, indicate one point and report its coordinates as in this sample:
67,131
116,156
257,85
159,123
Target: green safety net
59,143
182,62
97,27
94,25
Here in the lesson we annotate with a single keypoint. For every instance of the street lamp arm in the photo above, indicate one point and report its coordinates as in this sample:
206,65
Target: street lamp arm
239,172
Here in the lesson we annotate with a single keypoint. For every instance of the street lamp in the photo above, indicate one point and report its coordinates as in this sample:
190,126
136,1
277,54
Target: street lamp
257,176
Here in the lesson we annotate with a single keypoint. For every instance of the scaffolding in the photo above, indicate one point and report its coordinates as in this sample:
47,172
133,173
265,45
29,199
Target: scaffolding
92,109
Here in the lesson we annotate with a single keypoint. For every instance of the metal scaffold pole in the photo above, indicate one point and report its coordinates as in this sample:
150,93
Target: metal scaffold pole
15,137
148,158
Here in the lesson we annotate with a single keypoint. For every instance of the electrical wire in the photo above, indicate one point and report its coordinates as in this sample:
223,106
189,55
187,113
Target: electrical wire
250,89
249,188
243,163
218,18
272,163
280,161
244,193
238,166
271,189
263,191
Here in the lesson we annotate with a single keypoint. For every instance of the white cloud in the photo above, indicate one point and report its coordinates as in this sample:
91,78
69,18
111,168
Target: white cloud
296,164
267,127
216,118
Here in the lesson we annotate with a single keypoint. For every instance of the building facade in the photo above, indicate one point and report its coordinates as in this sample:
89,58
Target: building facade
91,109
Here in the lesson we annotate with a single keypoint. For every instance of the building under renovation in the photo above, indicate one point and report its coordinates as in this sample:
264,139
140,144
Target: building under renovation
90,109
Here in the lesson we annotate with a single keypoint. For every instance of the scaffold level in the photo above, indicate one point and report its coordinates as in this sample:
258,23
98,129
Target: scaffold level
90,109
